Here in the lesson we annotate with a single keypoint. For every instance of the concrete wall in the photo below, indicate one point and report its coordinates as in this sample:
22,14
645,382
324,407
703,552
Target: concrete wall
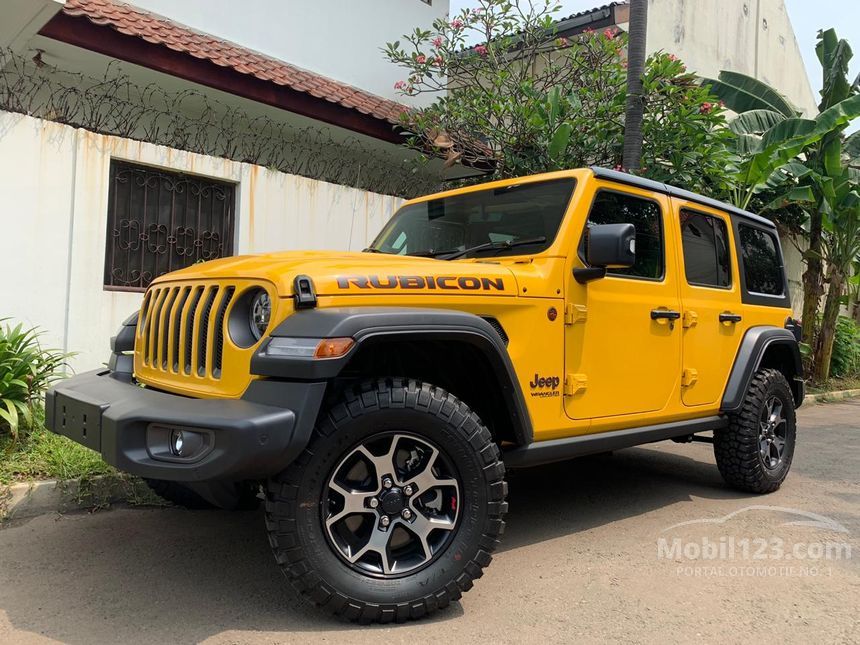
53,224
754,37
340,39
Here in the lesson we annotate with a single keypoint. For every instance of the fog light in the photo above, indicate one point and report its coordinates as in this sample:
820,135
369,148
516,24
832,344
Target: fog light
177,442
185,443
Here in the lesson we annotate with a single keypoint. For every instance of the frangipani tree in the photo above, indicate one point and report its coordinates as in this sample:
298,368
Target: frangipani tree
538,102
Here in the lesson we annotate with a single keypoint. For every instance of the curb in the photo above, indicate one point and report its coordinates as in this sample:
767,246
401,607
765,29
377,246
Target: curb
831,397
29,499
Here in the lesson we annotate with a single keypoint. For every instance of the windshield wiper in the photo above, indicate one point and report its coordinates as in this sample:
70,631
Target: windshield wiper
498,246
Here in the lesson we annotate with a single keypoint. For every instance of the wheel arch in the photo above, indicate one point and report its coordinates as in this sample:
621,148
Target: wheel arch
764,347
456,350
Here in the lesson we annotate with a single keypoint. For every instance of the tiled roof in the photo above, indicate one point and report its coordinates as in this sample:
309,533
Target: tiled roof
131,21
588,12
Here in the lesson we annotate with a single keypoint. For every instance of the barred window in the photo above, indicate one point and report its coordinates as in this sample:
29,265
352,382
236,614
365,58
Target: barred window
160,221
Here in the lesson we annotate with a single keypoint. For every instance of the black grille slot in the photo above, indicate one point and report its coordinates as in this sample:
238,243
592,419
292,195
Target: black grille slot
176,326
143,318
189,332
218,347
495,324
169,301
146,325
204,331
152,345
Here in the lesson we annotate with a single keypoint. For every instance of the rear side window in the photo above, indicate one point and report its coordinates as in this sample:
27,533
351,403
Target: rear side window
645,215
706,250
762,266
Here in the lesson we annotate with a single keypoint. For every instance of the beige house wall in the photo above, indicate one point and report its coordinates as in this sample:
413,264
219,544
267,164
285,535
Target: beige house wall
754,37
55,179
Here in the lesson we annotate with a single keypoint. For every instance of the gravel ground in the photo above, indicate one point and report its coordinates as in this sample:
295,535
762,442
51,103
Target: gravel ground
581,561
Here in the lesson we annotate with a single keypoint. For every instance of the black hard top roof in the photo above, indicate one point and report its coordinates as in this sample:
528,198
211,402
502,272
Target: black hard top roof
649,184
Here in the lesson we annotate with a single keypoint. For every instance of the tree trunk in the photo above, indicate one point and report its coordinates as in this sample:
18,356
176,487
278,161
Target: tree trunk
824,346
635,69
813,281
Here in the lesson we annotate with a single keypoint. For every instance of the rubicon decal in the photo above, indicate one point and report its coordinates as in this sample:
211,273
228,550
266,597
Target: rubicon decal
444,282
545,386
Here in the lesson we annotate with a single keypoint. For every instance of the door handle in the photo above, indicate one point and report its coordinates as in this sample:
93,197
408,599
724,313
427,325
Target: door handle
729,317
668,314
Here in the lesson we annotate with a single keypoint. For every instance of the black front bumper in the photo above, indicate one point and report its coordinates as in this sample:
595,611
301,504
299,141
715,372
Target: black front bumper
248,438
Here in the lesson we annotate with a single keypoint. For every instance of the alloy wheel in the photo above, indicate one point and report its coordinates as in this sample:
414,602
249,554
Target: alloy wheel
772,433
391,505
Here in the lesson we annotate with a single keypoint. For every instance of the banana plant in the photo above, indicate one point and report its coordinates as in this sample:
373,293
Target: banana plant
808,162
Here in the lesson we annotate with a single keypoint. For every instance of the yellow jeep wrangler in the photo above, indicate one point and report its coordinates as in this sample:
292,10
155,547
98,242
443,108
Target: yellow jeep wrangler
379,396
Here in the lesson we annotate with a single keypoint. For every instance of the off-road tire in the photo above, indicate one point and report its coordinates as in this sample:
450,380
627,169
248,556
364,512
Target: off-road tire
181,495
294,503
737,447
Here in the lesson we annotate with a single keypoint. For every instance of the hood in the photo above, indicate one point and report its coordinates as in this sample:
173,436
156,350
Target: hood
342,273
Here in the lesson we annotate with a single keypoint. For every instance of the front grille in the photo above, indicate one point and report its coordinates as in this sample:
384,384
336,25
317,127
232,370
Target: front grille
182,329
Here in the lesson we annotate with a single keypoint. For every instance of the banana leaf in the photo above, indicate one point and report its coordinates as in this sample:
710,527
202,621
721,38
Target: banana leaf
742,93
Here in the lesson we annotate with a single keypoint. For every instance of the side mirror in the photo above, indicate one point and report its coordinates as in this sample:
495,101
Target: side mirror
608,246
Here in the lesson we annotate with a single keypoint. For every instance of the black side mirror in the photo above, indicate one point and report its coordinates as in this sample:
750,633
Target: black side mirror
608,246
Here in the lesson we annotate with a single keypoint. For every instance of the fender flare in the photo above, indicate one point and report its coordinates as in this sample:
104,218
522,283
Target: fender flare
755,344
374,325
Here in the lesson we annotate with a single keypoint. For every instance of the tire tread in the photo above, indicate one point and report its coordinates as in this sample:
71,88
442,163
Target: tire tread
282,493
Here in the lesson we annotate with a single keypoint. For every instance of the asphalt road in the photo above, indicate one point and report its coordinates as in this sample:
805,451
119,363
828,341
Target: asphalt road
581,561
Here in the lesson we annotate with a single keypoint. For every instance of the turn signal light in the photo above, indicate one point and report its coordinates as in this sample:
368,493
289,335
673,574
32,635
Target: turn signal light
333,347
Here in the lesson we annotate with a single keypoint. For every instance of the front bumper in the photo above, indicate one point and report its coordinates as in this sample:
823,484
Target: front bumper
249,438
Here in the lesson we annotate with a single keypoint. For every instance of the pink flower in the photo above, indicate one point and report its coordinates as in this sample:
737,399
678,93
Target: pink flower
722,104
437,42
481,49
706,107
438,60
456,23
421,59
399,85
672,57
563,42
608,34
588,30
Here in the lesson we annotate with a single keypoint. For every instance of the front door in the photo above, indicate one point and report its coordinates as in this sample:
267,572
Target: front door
710,293
623,340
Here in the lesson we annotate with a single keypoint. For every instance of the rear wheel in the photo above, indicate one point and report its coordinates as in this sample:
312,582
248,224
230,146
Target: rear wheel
394,508
755,451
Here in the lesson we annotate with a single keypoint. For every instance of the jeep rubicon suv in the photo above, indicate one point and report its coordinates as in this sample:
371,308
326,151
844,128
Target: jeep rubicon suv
379,396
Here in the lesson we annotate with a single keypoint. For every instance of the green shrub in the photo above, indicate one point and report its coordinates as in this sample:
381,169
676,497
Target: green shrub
26,371
846,349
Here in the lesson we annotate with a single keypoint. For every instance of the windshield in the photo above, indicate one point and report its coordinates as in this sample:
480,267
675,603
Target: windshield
492,221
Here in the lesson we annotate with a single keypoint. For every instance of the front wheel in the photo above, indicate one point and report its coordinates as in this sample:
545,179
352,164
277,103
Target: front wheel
754,452
395,506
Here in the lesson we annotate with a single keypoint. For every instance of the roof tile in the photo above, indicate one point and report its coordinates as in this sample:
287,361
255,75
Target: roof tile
155,29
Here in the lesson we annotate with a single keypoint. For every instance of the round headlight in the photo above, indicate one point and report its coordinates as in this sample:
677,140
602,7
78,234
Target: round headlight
261,314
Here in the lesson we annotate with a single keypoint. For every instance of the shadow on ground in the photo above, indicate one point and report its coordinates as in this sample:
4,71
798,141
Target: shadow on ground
151,574
168,575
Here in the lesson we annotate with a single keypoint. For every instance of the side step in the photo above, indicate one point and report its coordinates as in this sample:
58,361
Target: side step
545,452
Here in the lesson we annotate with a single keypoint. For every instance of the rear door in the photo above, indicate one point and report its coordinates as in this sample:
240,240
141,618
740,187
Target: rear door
712,322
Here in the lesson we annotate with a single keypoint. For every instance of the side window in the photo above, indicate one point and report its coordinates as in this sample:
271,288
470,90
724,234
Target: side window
706,250
620,208
762,267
